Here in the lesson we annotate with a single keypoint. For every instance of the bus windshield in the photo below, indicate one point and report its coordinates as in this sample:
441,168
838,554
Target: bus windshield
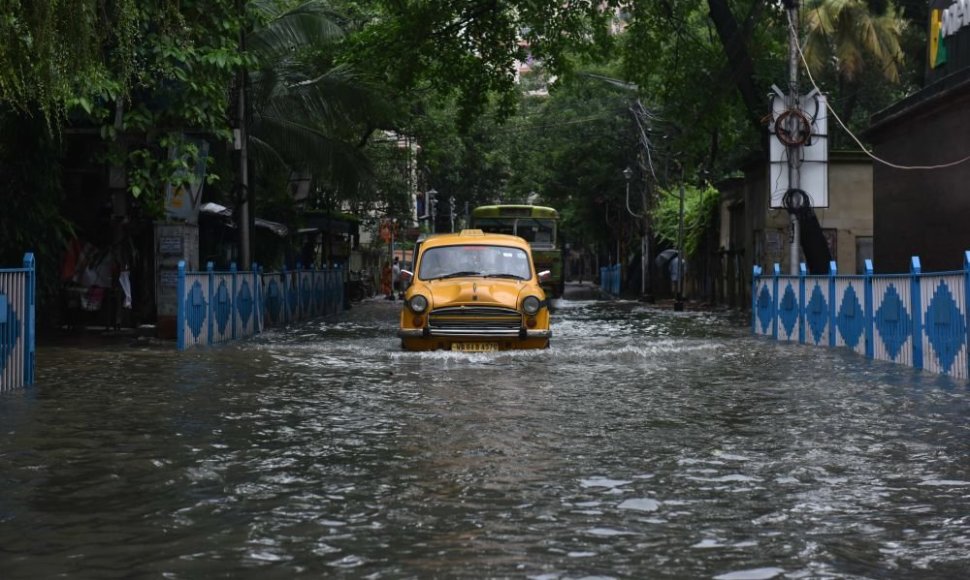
533,230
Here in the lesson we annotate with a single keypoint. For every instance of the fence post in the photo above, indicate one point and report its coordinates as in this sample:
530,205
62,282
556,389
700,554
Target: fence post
300,314
314,307
755,279
180,303
966,306
833,272
209,268
338,279
284,320
802,272
917,309
870,323
30,286
776,272
234,312
257,299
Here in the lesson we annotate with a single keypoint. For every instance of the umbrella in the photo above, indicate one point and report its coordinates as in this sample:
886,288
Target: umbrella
664,257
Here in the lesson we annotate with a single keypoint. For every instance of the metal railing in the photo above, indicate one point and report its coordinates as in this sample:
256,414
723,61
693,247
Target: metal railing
18,287
916,319
610,277
220,306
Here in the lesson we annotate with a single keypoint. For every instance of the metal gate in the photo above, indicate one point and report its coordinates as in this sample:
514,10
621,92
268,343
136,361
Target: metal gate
17,295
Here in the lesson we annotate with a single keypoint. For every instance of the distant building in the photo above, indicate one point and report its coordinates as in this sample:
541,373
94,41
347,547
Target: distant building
751,233
925,212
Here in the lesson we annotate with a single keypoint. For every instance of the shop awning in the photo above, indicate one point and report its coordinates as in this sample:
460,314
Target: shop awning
226,213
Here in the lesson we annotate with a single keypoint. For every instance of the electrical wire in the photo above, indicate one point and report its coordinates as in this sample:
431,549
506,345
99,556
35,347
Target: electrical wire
828,105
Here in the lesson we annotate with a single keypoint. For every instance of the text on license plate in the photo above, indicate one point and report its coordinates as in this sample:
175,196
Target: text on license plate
474,346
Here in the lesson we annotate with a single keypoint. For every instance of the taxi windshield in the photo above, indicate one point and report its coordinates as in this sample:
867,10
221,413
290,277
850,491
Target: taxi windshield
474,260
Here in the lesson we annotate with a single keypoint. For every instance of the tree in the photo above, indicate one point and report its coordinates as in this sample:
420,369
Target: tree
310,113
55,52
856,41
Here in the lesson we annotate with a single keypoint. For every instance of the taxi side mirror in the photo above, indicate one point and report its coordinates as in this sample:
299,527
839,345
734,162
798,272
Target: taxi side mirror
545,275
406,275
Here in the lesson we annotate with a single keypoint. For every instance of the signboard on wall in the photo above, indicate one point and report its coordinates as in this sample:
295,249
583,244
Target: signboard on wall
812,163
173,242
182,199
948,38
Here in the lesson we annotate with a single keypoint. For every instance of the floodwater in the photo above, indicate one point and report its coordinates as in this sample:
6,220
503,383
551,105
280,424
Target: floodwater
642,444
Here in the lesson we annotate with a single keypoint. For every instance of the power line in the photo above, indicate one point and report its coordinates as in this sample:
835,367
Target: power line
589,119
828,105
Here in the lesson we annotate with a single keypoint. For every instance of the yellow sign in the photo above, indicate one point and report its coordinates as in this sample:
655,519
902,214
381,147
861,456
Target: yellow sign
937,50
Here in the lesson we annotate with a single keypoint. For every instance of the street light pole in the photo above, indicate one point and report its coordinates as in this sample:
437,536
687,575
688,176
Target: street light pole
794,150
431,200
679,300
451,212
628,174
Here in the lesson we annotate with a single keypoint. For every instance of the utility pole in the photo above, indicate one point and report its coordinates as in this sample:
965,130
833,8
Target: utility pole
245,255
679,300
451,212
794,149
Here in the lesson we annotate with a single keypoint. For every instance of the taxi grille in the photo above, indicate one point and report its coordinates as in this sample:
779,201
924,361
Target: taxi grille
475,320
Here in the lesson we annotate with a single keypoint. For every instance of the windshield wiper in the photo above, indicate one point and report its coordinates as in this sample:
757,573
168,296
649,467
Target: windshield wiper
458,275
512,276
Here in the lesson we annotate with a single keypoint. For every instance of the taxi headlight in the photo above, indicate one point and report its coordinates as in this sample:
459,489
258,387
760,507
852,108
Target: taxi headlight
418,303
530,305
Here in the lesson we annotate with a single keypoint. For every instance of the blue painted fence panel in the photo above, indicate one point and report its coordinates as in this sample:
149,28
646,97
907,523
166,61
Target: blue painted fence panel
850,313
893,320
223,307
610,278
290,296
246,312
944,324
17,348
817,300
217,307
788,309
763,304
921,320
194,316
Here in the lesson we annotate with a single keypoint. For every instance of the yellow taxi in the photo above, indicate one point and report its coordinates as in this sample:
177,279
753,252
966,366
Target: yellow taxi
473,291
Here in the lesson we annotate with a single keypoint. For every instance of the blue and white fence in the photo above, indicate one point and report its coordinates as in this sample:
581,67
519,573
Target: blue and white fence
610,279
916,319
18,288
216,307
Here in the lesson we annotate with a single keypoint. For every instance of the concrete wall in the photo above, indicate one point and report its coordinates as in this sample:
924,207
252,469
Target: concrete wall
851,210
767,231
923,212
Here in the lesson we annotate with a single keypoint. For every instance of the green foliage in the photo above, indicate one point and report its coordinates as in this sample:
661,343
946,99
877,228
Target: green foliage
672,51
468,49
700,211
55,52
30,220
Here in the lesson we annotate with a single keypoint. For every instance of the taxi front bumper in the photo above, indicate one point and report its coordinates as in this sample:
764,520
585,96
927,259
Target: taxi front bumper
468,333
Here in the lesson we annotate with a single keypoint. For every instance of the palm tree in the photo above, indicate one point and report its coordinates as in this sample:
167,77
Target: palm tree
306,114
849,36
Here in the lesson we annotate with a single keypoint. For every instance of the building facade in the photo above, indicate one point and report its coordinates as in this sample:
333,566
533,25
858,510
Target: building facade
921,200
752,233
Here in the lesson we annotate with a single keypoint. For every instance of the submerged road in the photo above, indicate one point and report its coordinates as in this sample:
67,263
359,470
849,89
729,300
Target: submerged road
643,443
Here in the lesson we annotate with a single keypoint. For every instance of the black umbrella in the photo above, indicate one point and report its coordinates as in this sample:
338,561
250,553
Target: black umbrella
664,257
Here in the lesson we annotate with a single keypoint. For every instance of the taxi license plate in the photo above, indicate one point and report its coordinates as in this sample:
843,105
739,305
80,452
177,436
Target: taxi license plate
474,346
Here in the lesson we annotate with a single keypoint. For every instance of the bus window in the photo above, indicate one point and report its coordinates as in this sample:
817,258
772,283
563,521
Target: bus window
537,230
496,225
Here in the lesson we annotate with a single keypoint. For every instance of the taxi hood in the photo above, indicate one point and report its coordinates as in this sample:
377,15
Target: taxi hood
475,290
